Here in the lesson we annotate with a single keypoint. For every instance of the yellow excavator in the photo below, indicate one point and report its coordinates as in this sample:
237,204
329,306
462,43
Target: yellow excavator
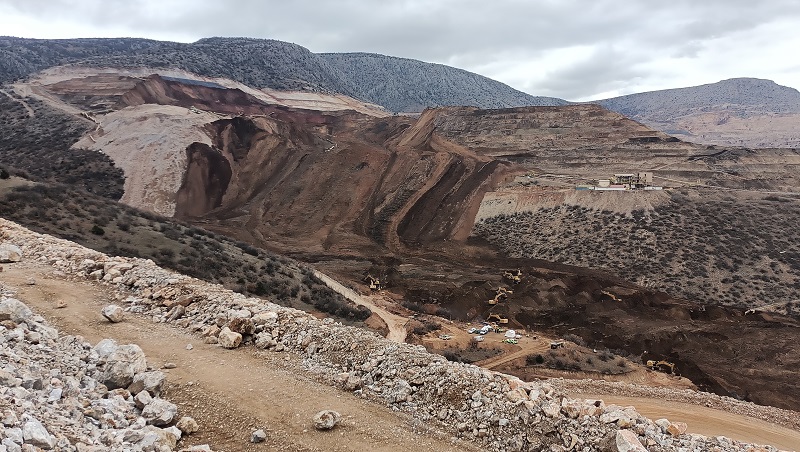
373,282
502,294
498,318
515,276
610,295
661,366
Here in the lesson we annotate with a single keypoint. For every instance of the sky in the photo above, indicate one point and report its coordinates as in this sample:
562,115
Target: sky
573,49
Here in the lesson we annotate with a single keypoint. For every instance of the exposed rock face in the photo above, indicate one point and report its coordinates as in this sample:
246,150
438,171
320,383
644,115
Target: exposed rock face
466,400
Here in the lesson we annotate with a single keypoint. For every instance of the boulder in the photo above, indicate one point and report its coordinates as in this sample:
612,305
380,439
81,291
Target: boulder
147,381
10,253
228,338
142,399
242,325
156,439
258,436
627,441
113,313
677,428
326,419
14,310
34,433
122,365
187,425
159,412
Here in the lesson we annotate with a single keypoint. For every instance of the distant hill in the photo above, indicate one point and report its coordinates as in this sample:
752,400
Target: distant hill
740,111
402,84
395,83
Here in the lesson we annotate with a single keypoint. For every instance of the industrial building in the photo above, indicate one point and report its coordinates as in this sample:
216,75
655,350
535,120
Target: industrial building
623,181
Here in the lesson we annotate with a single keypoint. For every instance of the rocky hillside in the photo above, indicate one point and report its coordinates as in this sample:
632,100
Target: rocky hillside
739,111
406,85
395,83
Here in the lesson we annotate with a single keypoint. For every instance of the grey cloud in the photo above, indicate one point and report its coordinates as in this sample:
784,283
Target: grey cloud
468,33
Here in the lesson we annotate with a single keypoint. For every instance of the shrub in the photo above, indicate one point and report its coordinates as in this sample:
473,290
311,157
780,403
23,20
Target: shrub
97,230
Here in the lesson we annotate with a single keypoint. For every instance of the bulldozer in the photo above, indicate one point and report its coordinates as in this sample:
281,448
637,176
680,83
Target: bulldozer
502,294
661,366
515,276
498,318
373,282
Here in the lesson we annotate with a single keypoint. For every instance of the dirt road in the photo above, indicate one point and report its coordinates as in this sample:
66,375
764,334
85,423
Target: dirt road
395,323
229,392
708,421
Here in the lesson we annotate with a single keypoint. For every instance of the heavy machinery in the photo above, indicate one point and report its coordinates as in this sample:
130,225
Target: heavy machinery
498,318
661,366
515,276
557,344
610,295
373,282
502,294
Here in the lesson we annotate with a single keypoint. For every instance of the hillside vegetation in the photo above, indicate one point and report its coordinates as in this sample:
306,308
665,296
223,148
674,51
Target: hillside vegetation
397,84
115,229
713,251
36,144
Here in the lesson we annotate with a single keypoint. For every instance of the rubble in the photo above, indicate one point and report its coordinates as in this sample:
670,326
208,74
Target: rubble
113,313
496,411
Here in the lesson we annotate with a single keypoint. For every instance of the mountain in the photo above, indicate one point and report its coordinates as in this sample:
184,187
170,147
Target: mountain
740,111
402,84
395,83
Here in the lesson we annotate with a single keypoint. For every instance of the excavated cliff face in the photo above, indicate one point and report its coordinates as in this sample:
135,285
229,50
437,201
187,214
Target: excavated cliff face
333,178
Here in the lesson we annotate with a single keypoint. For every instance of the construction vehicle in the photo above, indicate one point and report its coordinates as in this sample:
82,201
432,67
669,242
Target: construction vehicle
510,341
502,294
498,318
373,282
515,276
557,344
610,295
661,366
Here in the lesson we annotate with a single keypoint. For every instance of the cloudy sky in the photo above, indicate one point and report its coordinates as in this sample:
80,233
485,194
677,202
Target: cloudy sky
573,49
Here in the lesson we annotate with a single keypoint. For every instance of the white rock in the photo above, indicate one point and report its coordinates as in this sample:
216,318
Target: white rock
151,382
14,310
159,412
627,441
10,253
121,366
187,425
228,338
33,432
258,436
113,313
326,419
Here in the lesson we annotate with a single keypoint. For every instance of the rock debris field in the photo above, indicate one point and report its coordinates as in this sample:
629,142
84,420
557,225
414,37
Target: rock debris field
58,392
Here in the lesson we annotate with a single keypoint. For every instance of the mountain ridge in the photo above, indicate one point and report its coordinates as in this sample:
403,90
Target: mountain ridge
266,63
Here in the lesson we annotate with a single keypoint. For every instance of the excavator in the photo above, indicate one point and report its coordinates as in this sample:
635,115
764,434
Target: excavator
661,366
373,282
502,294
610,295
515,276
498,318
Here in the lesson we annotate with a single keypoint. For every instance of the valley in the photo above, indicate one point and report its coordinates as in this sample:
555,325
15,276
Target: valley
220,180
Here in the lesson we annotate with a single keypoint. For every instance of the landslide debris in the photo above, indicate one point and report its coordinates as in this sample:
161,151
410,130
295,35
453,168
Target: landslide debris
493,410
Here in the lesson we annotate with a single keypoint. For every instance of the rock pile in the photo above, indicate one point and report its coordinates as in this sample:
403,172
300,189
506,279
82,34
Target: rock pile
497,411
60,393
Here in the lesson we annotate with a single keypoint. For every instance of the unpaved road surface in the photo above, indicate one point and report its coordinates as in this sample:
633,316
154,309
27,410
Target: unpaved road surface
708,421
229,392
395,323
